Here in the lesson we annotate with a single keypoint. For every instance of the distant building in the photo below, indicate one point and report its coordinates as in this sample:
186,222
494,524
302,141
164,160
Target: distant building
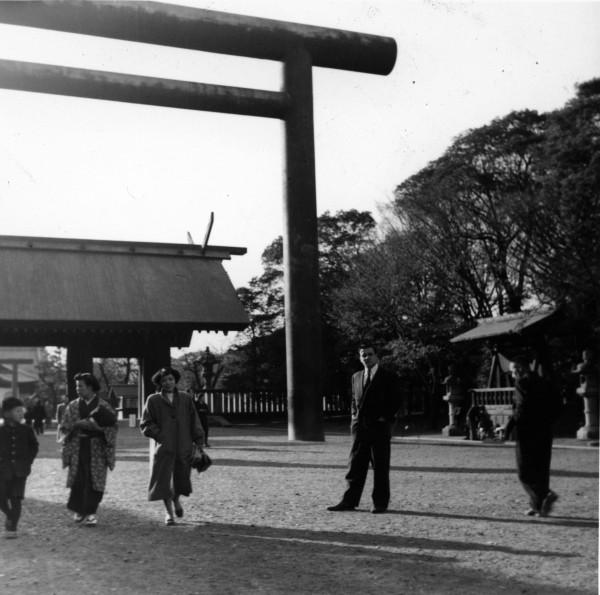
102,298
124,398
18,371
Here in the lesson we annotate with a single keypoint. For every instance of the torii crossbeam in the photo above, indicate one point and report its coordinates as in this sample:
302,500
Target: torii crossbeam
299,47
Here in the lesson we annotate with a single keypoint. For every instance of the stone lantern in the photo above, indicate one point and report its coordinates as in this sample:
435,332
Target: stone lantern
208,360
455,397
588,389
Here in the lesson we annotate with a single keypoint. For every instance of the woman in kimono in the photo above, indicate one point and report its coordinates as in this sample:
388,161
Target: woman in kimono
89,433
170,419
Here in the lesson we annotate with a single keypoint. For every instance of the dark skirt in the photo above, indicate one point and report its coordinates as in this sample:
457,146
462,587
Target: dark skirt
84,499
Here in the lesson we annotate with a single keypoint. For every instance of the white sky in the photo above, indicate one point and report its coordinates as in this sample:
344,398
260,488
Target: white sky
86,168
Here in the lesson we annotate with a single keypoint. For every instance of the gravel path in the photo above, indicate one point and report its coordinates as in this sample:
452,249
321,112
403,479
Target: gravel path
257,523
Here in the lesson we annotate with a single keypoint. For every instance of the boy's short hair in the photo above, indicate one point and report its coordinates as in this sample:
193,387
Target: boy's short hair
10,403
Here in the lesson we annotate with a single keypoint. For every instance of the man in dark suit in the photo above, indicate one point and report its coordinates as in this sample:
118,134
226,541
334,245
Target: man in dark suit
536,408
375,401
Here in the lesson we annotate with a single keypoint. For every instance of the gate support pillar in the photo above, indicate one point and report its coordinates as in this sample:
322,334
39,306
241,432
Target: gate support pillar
79,359
300,252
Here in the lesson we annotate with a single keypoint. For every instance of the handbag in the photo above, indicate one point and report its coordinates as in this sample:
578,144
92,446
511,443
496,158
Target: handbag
200,460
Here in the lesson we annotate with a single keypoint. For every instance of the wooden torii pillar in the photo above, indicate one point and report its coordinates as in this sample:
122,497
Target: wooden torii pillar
299,47
79,359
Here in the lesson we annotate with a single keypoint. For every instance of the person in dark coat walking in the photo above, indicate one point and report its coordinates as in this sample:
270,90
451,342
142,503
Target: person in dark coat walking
170,419
38,415
534,413
375,402
61,409
203,410
18,449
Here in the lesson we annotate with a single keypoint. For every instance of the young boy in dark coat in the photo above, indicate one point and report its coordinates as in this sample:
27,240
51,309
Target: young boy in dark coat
18,448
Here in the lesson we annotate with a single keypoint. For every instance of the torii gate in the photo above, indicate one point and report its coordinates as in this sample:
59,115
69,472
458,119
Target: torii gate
299,47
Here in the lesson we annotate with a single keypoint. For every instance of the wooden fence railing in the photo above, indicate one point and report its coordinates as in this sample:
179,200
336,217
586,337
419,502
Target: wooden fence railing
497,402
268,403
492,396
250,403
262,402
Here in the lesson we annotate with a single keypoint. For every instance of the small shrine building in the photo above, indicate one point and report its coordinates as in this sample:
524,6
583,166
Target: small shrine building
99,298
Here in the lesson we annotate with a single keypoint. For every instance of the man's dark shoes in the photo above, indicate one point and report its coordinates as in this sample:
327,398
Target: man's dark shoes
548,503
341,506
378,509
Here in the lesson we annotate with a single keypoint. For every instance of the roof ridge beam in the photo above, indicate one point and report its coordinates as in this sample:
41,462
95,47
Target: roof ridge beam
206,30
118,247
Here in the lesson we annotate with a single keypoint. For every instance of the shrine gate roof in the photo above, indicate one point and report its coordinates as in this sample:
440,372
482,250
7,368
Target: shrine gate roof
112,284
507,325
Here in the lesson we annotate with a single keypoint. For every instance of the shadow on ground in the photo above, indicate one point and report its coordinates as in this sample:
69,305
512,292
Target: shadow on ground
130,553
583,523
229,462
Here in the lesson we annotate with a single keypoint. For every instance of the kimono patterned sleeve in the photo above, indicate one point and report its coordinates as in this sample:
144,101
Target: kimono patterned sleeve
110,438
71,415
70,445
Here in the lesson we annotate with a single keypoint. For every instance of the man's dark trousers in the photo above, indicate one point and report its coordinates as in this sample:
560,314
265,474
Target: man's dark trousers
370,444
534,453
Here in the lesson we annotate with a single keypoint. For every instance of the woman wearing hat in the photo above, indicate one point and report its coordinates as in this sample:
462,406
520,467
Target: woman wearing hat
170,419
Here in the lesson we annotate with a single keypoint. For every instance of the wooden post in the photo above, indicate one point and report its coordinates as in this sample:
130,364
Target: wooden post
300,47
154,357
300,252
79,359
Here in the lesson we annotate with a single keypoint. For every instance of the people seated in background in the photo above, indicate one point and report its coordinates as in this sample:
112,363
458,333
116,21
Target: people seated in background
479,424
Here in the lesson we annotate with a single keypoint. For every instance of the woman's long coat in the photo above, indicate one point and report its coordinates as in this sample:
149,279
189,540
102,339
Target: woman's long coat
175,428
102,448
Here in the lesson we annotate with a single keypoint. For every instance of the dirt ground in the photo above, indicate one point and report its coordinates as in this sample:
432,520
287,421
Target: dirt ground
257,523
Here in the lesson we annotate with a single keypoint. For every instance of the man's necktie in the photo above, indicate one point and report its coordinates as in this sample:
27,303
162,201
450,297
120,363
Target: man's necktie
368,380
